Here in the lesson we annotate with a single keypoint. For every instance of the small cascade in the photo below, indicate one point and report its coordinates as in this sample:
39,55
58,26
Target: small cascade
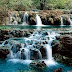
49,52
33,46
38,21
40,55
70,20
61,20
25,19
26,53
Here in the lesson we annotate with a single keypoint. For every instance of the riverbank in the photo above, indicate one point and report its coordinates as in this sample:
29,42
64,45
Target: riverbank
61,53
48,17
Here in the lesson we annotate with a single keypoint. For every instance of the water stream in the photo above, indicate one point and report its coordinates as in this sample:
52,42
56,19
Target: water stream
25,19
38,21
32,46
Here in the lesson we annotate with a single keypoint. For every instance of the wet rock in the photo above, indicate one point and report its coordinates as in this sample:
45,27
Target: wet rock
21,33
51,17
66,12
4,35
1,37
42,64
57,37
56,47
1,42
66,20
63,46
51,21
48,17
22,54
14,45
66,42
57,21
4,51
17,33
34,54
62,50
58,70
38,65
32,18
45,33
7,37
43,52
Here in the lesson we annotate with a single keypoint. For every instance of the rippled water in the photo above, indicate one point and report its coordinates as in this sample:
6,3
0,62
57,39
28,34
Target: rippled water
15,65
20,66
35,27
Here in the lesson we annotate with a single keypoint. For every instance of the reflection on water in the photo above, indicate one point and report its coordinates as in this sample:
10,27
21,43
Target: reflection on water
37,27
10,66
17,65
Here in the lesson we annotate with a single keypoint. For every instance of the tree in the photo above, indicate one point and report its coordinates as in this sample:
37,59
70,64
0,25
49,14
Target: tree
42,4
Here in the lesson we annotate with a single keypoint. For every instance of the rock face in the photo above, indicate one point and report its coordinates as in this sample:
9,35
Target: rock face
62,49
14,45
34,54
48,17
38,65
32,18
58,70
4,51
6,34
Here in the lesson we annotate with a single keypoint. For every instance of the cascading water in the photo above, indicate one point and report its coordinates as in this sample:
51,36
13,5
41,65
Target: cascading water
61,20
25,19
38,21
31,49
70,20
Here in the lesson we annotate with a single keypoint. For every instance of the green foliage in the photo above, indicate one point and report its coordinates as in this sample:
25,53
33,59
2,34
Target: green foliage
5,27
31,4
14,4
62,4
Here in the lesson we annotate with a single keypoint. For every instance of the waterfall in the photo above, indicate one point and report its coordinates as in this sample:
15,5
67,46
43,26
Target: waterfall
38,20
61,20
25,19
70,20
31,48
49,52
27,53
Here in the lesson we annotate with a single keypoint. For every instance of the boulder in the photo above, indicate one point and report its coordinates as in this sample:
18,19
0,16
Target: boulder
23,55
14,45
63,46
4,51
43,52
62,50
58,70
66,20
38,65
34,54
21,33
32,18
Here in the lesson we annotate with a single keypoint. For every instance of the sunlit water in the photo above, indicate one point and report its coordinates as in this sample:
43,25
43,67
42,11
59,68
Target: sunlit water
15,65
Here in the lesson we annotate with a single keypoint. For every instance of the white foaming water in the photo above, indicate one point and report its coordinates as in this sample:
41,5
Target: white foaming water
49,52
38,21
70,20
61,20
20,61
27,53
25,19
35,41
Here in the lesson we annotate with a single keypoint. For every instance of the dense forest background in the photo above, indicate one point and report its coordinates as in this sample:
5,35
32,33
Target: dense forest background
22,5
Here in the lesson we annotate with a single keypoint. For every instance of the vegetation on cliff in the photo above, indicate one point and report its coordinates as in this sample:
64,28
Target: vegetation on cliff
20,5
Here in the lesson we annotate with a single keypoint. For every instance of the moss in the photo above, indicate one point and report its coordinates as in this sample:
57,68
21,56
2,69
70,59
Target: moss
5,27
